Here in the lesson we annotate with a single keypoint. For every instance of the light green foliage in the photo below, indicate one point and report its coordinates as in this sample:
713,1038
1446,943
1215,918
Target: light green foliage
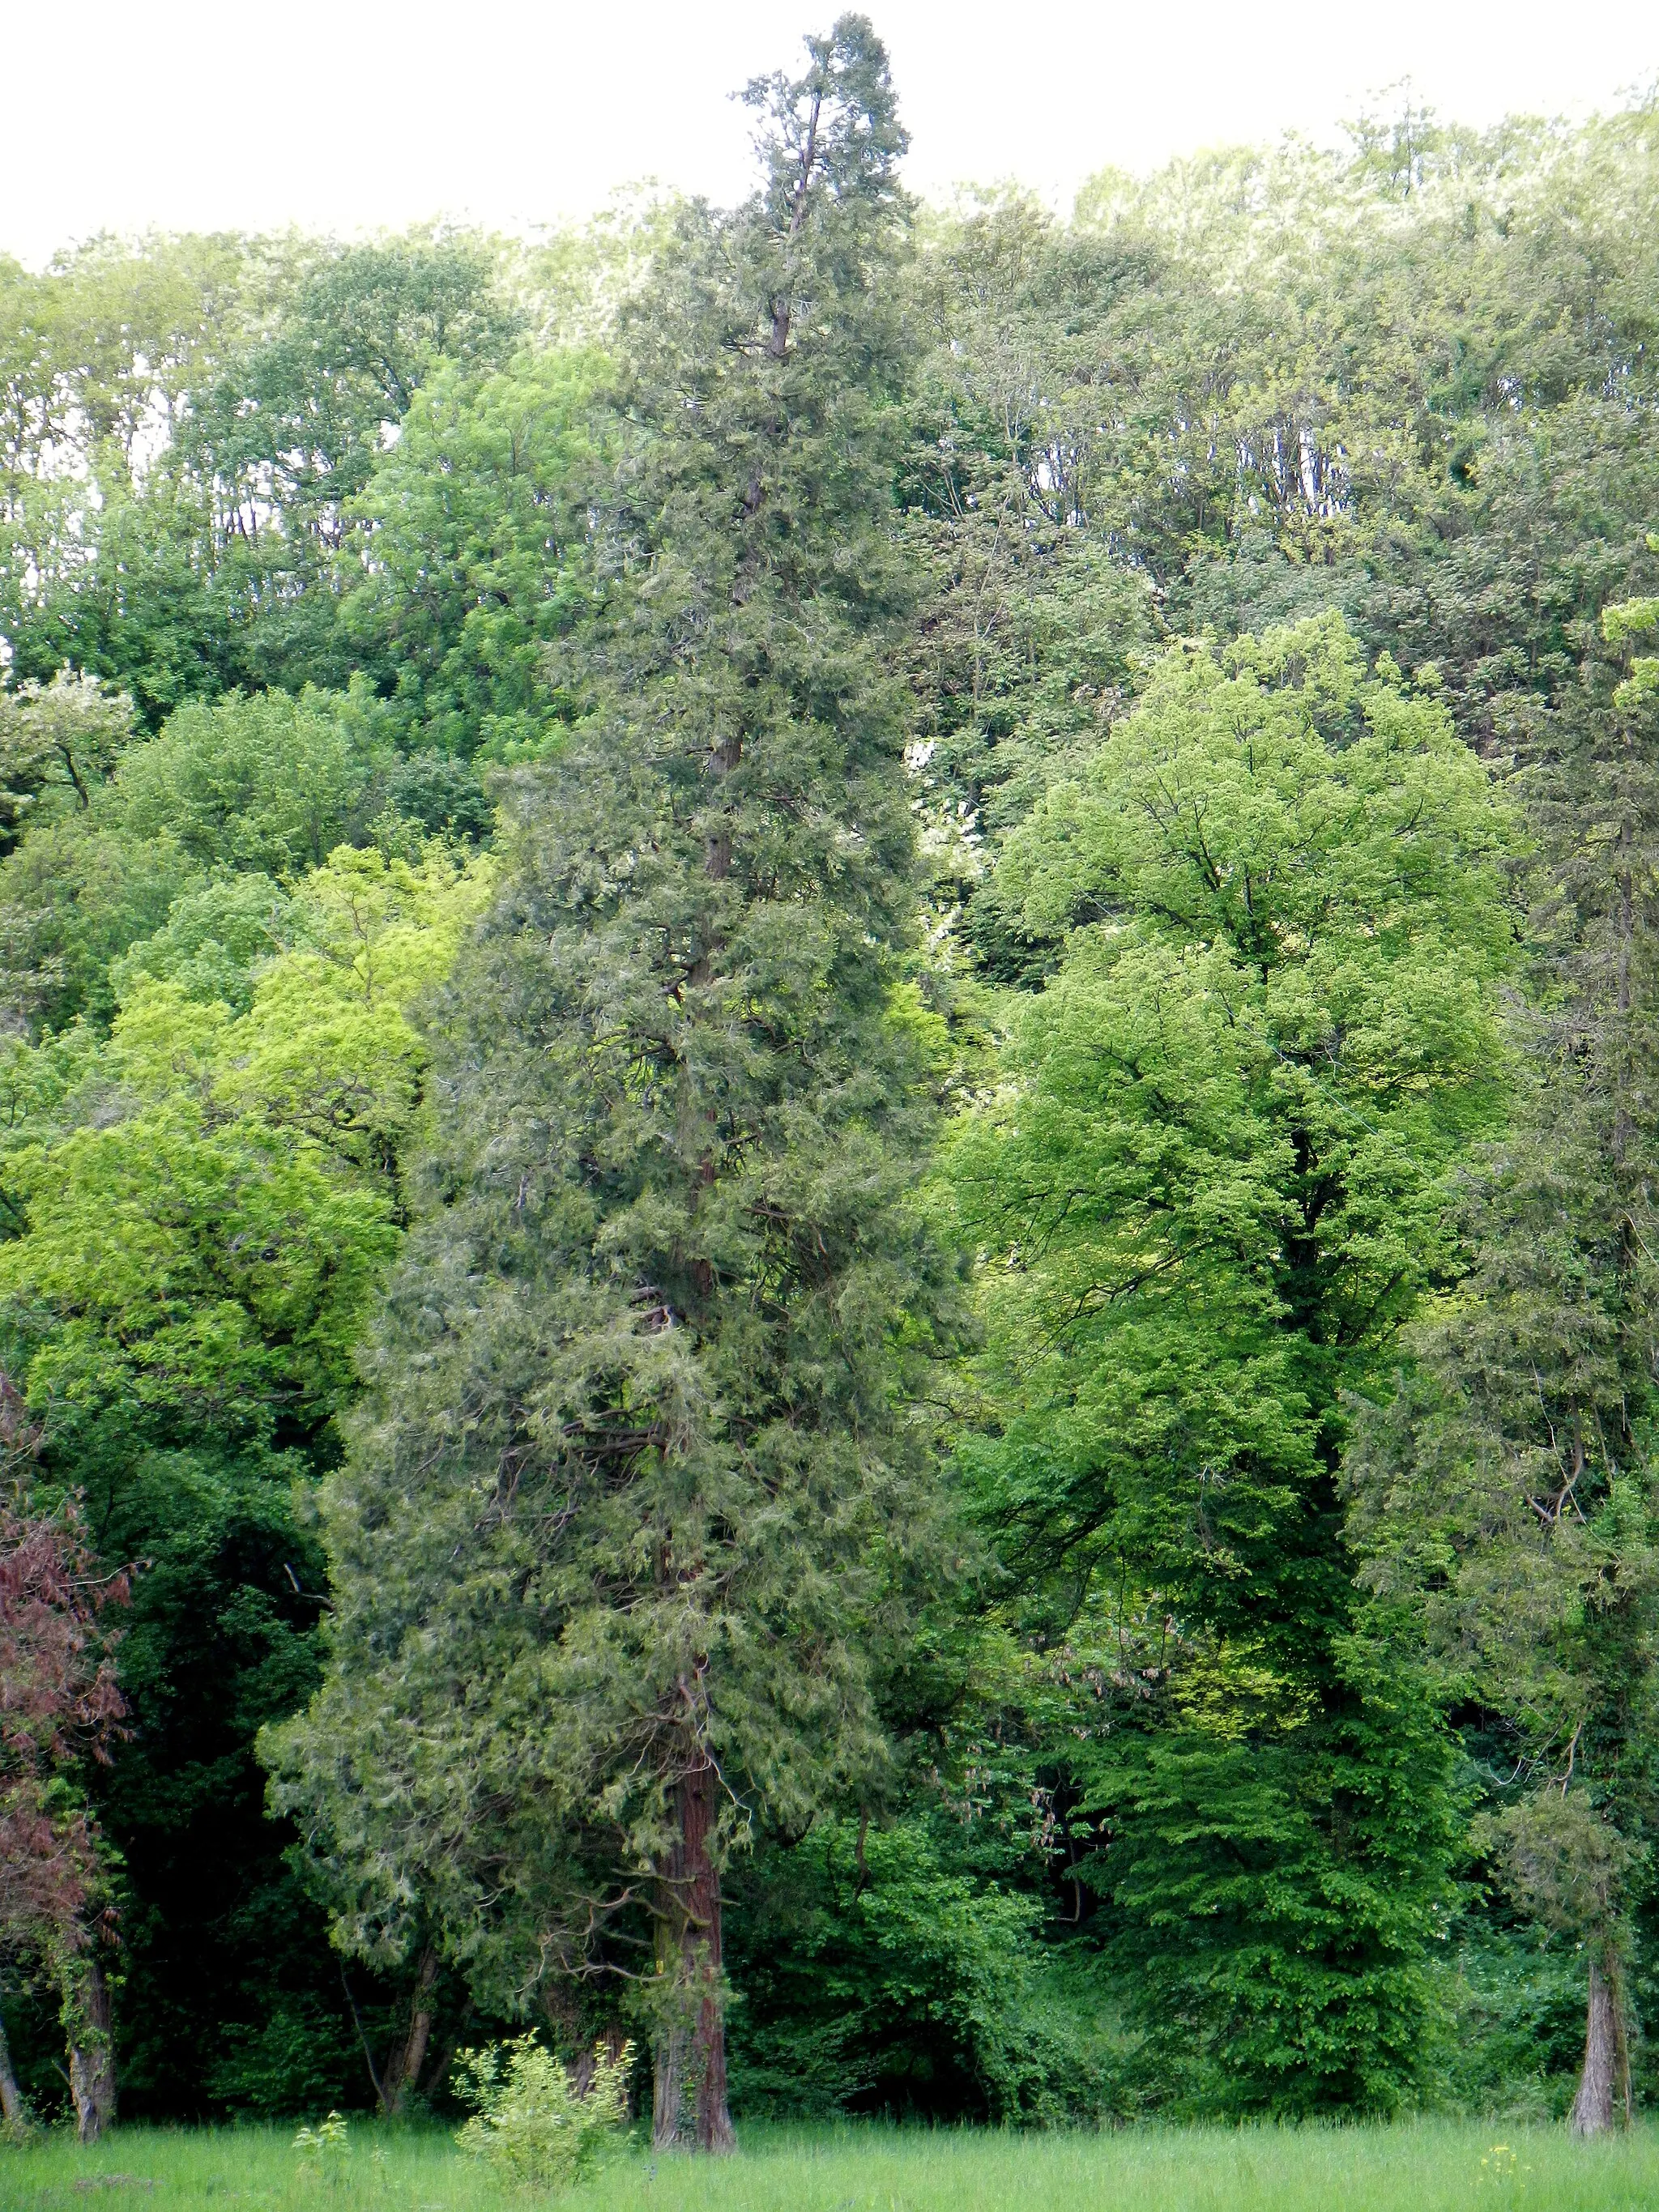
211,1197
1218,1181
58,742
478,559
1629,618
328,1047
265,785
532,2122
264,782
1632,619
171,1263
1217,1185
322,2148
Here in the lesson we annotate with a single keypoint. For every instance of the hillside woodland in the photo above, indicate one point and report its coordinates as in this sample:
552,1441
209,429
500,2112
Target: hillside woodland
828,1105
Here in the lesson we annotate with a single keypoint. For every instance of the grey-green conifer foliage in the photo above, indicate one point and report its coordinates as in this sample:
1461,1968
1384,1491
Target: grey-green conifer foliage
1505,1495
634,1494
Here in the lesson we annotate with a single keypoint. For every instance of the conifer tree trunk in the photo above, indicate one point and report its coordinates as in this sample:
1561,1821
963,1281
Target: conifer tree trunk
689,2103
1604,2080
403,2076
91,2047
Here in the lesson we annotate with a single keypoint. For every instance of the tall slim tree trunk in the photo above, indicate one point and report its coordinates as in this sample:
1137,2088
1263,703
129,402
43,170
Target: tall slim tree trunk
1604,2081
689,2107
91,2046
13,2112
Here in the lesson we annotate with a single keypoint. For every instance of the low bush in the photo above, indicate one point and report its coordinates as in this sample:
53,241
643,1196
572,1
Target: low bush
531,2120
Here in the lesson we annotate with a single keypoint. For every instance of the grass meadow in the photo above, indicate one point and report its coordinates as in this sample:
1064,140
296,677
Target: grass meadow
1426,2167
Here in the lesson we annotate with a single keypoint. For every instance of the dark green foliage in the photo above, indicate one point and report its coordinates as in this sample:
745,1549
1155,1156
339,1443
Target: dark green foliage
1506,1489
211,942
816,606
880,1973
1275,1900
442,794
1424,407
636,1460
1516,2032
220,1946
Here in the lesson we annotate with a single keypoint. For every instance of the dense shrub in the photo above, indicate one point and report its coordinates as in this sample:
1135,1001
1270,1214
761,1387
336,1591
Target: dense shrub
533,2120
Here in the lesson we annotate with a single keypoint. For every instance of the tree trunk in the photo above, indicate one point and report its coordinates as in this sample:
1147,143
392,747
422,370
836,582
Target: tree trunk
91,2048
403,2071
12,2111
689,2108
1604,2082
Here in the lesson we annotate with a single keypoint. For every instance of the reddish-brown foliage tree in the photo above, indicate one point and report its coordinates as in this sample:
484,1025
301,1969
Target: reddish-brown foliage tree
60,1706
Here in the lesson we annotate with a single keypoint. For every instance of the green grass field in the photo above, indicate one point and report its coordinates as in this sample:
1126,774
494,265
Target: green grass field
1427,2167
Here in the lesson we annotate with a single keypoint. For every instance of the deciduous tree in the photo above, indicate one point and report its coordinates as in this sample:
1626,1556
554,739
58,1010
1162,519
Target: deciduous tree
1215,1188
59,1708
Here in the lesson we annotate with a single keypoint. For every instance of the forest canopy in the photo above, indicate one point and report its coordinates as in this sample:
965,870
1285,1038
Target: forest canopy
826,1228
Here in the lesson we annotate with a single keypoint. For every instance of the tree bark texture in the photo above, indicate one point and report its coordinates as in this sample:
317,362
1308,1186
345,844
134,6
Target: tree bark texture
11,2097
1604,2081
403,2072
689,2107
91,2047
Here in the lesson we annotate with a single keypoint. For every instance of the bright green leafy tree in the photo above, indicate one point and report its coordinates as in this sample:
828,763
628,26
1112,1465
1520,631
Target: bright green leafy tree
264,784
478,559
199,1210
1215,1188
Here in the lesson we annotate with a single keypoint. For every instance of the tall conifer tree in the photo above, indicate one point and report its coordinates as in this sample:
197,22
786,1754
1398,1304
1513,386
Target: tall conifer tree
1508,1489
612,1548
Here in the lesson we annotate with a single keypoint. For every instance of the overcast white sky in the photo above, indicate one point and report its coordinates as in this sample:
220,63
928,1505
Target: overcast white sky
350,114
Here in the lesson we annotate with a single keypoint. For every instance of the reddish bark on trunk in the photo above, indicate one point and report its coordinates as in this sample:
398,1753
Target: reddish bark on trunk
403,2073
689,2107
1604,2080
